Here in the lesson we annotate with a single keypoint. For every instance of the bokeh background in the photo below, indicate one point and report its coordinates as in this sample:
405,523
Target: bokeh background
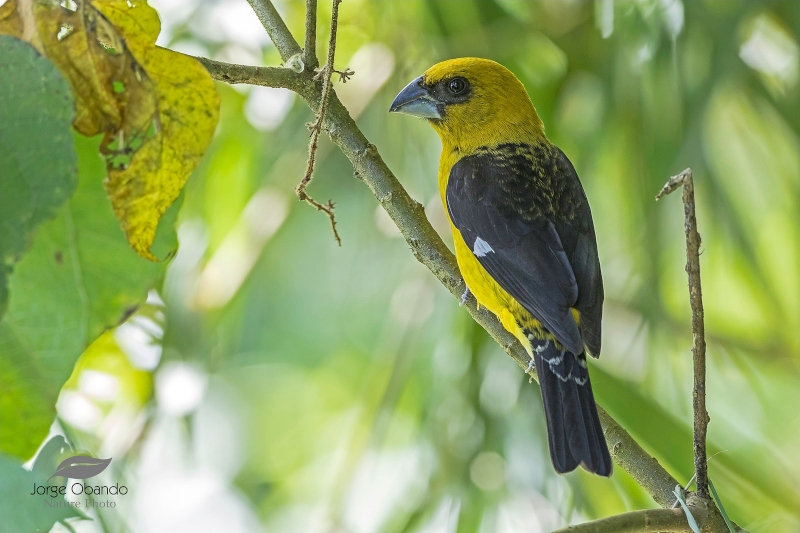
275,382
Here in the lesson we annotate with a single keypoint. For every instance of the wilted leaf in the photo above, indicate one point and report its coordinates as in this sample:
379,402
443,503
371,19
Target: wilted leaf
37,158
113,93
188,110
80,467
157,109
10,21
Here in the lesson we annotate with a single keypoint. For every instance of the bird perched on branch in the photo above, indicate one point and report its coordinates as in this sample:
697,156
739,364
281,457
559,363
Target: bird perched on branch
524,237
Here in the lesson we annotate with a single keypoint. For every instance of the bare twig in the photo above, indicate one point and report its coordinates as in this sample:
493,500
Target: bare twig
661,520
698,328
276,28
316,128
310,49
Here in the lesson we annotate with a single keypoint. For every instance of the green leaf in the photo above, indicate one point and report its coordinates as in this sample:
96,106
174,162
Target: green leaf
79,279
22,511
721,508
682,500
37,157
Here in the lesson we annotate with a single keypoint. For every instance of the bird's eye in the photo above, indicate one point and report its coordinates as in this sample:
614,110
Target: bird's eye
457,85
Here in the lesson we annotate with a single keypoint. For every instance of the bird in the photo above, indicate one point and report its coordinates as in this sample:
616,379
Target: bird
523,236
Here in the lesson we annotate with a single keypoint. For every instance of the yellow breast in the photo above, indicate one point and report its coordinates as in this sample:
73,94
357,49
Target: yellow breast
486,290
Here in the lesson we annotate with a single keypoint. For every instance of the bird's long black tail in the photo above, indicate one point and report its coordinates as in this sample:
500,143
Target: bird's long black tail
573,427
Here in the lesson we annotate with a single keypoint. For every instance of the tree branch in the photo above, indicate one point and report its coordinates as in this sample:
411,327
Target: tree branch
310,48
279,77
655,520
276,28
698,327
640,465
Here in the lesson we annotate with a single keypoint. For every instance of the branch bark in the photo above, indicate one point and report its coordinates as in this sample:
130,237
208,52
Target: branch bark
425,243
232,74
655,520
310,48
701,418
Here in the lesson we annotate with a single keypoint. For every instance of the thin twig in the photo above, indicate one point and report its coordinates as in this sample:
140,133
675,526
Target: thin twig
316,128
701,417
264,76
662,520
310,49
276,28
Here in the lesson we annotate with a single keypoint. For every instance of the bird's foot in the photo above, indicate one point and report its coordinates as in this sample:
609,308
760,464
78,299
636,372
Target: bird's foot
464,297
530,366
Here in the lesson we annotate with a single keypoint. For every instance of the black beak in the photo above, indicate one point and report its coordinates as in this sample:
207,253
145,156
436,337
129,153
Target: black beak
415,100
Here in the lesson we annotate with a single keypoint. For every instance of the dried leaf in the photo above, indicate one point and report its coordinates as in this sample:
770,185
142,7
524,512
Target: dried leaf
158,109
188,110
10,20
113,94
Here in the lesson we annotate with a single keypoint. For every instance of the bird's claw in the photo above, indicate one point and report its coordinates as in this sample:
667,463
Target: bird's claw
530,366
464,297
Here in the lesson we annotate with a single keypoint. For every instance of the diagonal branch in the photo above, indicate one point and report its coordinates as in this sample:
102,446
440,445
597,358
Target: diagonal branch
698,328
655,520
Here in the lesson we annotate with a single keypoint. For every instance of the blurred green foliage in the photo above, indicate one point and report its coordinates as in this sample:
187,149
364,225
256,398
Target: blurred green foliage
324,388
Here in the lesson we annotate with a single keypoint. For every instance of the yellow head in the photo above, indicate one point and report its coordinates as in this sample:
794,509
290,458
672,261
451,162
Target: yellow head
472,102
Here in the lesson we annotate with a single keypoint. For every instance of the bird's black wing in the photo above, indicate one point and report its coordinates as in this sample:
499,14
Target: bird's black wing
579,241
522,211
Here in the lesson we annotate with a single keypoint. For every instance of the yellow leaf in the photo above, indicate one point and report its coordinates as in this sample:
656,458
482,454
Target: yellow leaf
88,67
113,94
157,109
10,20
136,21
188,110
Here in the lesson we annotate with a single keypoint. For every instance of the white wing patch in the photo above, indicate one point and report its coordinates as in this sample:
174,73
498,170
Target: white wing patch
481,248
